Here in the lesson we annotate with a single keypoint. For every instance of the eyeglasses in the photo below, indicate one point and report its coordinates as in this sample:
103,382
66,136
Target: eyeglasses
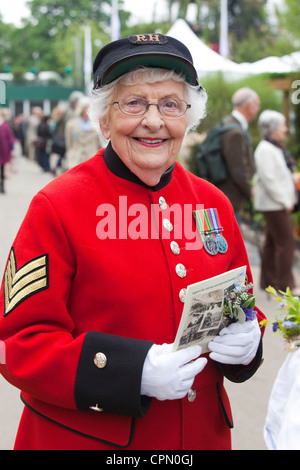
169,107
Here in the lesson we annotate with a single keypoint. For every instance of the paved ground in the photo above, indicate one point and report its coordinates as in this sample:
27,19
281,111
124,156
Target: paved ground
249,400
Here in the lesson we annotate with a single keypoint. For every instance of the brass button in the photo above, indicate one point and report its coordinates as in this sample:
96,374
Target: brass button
162,203
182,295
180,270
167,225
100,360
175,248
192,395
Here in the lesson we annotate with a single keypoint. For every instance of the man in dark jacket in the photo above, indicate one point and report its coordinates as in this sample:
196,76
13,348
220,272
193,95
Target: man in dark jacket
237,148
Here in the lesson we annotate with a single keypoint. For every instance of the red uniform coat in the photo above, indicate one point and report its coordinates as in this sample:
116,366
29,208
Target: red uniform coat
91,270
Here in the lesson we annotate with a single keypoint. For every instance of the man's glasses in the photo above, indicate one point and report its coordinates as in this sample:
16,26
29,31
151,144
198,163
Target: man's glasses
169,107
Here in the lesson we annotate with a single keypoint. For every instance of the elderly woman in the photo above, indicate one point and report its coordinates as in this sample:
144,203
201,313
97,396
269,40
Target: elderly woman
95,283
275,197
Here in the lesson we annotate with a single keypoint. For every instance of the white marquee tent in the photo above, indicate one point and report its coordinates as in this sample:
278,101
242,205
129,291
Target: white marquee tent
205,59
272,64
208,61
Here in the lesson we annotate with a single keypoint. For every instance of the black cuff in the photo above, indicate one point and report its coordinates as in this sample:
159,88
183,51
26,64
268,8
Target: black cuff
114,388
241,373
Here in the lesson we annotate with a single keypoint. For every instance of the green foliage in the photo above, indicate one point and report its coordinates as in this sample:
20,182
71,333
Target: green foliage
52,37
290,17
6,35
220,91
249,31
59,15
253,46
287,322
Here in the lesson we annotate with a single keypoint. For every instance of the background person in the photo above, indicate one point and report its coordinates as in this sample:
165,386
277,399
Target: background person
44,136
238,151
31,135
82,140
7,141
60,117
275,197
89,335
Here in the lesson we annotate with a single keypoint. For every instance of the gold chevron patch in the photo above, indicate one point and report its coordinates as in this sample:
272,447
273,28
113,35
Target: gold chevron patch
19,284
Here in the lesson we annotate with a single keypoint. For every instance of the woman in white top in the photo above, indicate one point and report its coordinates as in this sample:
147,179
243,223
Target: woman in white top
275,197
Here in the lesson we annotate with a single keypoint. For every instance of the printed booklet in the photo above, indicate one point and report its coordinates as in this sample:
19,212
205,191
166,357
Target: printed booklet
202,316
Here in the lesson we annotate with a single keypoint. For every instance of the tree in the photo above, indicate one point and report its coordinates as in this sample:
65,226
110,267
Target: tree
290,18
6,33
249,32
59,15
52,37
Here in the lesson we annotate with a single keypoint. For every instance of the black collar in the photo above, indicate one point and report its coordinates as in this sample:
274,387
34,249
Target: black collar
118,168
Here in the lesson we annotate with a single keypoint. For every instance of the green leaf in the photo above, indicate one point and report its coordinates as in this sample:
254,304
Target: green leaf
240,314
249,302
271,290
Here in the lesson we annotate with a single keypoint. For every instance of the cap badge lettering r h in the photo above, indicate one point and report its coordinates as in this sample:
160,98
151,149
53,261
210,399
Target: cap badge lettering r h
153,38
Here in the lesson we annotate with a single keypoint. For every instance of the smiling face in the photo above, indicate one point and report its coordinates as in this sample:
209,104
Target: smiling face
149,144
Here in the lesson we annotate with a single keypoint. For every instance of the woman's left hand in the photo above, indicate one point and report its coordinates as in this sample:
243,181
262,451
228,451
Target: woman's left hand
236,344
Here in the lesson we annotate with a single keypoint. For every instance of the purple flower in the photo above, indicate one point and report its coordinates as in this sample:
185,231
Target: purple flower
238,287
250,313
232,296
288,324
275,326
281,305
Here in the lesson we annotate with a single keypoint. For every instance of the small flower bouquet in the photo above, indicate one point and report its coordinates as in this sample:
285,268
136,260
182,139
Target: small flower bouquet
288,324
239,303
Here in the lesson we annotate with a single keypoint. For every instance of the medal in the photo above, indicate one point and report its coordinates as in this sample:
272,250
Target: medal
209,228
211,245
209,242
221,241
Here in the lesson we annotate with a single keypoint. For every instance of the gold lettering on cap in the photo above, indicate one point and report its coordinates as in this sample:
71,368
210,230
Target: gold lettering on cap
148,37
152,38
141,37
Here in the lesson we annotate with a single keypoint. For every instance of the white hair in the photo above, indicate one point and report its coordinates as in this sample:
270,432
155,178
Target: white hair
194,95
269,121
242,96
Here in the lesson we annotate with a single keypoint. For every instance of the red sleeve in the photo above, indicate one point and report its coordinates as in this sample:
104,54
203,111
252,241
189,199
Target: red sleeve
45,357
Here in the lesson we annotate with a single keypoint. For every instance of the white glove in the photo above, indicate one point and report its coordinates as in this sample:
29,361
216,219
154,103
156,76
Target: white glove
236,344
169,375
